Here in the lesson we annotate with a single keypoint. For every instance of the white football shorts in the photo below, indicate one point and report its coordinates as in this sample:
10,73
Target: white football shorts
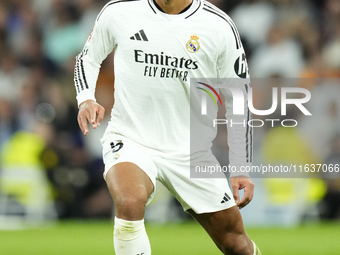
202,195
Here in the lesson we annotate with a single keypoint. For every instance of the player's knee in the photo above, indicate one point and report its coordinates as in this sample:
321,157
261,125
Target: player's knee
131,207
236,245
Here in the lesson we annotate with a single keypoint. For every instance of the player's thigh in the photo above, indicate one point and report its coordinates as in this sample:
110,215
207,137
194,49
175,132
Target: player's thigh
128,183
224,227
130,174
225,221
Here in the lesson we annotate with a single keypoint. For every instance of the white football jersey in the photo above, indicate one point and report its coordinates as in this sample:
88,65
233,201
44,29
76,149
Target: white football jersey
156,55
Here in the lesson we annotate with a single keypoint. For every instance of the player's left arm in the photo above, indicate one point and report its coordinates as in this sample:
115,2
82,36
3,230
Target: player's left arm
233,70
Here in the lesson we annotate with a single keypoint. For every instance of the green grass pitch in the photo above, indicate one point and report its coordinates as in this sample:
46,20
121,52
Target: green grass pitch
95,237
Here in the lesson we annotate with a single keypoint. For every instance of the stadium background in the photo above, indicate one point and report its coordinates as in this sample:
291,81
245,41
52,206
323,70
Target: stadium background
51,176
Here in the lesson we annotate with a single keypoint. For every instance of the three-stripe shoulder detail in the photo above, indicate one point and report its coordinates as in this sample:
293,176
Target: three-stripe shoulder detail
249,135
114,2
79,74
214,10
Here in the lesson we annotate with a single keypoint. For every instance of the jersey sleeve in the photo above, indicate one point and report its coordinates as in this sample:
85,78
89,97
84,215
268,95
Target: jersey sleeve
233,70
99,44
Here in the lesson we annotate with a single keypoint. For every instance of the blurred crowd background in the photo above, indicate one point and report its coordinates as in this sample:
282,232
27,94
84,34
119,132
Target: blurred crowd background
48,169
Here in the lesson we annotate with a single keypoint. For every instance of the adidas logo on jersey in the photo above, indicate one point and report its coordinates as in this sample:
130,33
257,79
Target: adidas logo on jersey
225,199
140,36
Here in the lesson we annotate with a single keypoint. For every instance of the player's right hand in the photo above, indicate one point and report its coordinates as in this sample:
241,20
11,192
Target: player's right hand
92,112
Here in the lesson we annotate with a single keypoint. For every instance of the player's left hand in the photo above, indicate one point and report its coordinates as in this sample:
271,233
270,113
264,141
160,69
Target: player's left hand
242,182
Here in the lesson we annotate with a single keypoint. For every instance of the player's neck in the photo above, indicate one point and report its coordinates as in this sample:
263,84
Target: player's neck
173,6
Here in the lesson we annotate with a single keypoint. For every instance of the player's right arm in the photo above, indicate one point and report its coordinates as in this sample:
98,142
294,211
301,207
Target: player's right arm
99,44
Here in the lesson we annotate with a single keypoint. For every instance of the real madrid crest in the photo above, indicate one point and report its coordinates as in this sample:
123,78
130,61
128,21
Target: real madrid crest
193,44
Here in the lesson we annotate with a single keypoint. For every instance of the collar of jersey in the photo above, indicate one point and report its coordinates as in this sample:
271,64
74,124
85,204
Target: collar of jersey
196,4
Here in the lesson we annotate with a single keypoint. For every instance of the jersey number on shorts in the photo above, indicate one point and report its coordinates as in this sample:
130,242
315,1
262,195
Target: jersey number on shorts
116,147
